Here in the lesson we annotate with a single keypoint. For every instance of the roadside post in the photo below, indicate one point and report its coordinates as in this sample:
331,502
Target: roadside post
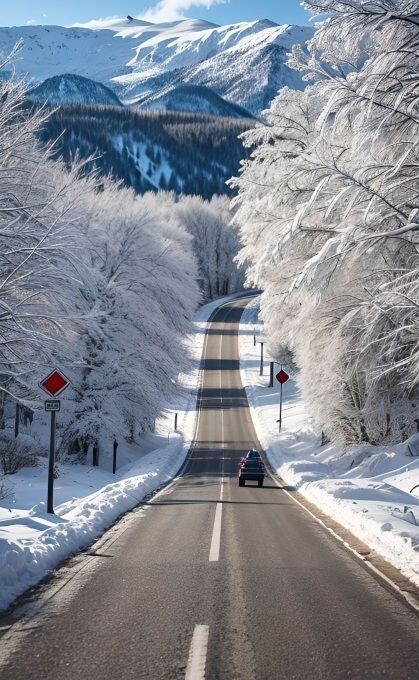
17,418
115,449
261,357
271,374
54,384
282,378
254,341
95,454
176,415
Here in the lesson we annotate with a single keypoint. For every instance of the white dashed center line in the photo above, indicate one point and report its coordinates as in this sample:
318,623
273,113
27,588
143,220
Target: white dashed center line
214,555
195,669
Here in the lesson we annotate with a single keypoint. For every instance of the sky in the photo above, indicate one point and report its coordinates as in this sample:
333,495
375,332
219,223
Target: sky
218,11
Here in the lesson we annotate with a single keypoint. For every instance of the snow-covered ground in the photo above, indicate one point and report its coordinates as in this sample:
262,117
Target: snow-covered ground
364,488
87,499
137,59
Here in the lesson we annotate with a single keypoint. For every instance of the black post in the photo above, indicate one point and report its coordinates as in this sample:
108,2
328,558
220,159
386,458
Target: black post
280,407
176,422
95,455
271,375
261,359
50,501
115,448
254,341
17,416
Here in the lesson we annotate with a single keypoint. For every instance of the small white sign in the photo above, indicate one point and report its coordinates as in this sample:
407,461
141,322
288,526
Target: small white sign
52,404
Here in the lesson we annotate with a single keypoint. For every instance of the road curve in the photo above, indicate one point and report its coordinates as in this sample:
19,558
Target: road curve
209,580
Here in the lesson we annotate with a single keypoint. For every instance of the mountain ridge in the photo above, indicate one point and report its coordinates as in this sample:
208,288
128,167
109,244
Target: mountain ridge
244,63
193,99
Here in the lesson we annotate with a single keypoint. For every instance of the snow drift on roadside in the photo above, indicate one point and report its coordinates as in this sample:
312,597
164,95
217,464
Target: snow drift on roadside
32,542
365,488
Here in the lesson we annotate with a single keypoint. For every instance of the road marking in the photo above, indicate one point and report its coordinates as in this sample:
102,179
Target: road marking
222,417
216,535
195,669
220,351
404,594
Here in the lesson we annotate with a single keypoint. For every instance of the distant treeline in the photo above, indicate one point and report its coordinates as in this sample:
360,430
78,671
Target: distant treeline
149,150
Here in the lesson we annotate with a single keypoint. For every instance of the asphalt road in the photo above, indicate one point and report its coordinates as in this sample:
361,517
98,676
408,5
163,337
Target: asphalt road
214,581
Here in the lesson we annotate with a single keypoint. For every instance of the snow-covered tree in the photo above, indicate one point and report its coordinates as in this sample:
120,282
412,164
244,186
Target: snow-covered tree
37,239
328,207
215,244
138,304
93,279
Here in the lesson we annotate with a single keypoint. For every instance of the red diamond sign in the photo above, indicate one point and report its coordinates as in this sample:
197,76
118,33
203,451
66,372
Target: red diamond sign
55,383
282,377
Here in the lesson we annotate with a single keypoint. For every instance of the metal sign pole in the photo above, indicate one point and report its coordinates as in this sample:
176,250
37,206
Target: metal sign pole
282,378
50,502
280,407
54,384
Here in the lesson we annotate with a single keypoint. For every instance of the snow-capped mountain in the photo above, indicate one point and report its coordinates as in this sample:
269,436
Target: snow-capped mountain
195,99
244,62
72,89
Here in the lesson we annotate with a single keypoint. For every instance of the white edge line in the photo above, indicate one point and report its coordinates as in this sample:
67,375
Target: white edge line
195,669
358,555
32,609
403,594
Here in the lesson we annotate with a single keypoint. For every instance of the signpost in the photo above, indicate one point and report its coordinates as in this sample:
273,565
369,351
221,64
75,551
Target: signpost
54,384
282,378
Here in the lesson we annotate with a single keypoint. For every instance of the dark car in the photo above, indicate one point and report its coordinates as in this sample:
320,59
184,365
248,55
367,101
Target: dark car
251,468
254,455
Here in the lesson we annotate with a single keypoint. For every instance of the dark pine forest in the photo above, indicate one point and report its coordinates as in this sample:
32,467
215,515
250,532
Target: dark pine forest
149,150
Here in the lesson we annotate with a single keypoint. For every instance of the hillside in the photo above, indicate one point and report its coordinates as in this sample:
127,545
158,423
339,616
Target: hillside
195,99
243,63
184,152
71,89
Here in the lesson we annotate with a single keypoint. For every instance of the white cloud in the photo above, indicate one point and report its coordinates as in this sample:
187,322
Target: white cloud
31,22
170,10
96,24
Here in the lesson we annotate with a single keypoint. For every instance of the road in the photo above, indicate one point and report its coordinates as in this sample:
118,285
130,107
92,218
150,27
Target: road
209,580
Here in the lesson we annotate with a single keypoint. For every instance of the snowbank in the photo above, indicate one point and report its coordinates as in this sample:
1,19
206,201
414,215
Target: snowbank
88,500
365,488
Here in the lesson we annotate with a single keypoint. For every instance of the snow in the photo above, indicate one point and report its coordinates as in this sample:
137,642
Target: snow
195,99
364,488
88,500
73,89
126,55
53,50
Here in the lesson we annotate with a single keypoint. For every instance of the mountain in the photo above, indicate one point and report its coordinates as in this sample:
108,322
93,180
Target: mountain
72,89
243,63
149,150
195,99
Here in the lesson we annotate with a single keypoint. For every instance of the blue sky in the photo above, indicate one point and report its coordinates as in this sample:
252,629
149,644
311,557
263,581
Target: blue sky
53,12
